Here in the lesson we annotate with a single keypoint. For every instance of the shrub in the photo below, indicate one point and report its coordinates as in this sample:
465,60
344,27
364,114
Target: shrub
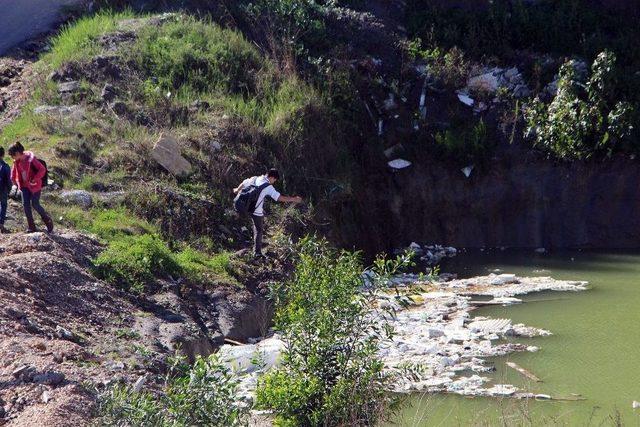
464,144
120,405
449,67
133,262
330,373
289,27
203,394
583,118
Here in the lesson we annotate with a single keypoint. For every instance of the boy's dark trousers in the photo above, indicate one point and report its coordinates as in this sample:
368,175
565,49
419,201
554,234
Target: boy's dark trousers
258,229
4,199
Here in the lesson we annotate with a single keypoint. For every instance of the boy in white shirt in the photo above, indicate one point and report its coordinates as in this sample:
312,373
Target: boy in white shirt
257,216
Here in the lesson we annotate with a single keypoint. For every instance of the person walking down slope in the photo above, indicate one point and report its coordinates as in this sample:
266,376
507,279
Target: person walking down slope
28,173
5,188
250,195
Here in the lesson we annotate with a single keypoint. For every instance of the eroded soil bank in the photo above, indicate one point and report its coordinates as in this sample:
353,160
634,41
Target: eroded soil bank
64,333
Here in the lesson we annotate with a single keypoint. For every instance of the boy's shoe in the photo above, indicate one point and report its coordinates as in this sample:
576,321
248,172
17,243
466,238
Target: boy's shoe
49,223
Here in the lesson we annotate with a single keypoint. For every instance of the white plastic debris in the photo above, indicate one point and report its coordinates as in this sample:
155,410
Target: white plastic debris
467,170
399,164
466,99
503,279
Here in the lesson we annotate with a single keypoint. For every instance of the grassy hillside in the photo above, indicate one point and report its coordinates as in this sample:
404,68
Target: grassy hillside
233,110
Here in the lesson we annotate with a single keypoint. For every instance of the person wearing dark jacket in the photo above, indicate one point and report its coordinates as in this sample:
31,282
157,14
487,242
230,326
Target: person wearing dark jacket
5,188
28,173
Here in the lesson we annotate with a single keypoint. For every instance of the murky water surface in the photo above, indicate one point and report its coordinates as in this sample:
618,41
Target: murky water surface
594,352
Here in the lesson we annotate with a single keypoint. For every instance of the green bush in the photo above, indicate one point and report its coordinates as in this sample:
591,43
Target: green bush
289,27
133,262
584,117
120,405
330,374
202,394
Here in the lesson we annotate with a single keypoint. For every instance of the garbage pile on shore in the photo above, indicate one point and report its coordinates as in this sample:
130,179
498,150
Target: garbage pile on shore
438,346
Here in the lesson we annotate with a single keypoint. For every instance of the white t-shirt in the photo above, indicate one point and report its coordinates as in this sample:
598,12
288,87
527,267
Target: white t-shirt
267,191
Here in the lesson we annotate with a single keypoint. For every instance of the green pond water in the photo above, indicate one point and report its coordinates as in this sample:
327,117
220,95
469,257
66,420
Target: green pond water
594,350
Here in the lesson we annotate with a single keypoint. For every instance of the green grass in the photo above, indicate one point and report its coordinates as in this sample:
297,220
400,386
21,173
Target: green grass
79,40
107,224
202,268
134,262
189,57
136,254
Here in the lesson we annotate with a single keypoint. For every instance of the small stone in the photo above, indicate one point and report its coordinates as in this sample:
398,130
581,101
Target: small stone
64,333
108,93
467,170
46,396
68,87
24,373
120,108
19,371
15,313
51,378
137,387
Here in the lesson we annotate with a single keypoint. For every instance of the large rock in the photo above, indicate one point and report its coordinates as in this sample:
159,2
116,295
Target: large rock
73,112
68,87
167,153
80,198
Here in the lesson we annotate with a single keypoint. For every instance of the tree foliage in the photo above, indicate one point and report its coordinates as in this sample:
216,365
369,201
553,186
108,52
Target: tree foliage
330,374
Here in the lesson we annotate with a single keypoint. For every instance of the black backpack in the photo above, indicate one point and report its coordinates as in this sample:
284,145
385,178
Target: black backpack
245,201
45,178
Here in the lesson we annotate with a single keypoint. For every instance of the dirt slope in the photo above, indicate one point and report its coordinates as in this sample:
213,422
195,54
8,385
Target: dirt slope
64,333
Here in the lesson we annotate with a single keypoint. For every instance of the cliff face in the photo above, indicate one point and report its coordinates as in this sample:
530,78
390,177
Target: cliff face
517,203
